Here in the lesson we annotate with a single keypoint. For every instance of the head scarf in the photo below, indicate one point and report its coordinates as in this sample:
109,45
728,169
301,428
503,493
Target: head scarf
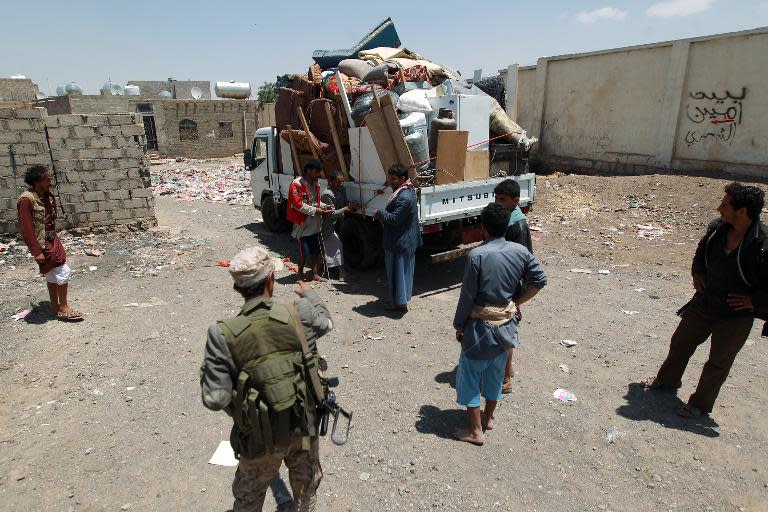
251,267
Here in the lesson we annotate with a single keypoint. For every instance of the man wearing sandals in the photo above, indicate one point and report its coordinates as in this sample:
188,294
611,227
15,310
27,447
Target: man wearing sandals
37,225
730,276
486,318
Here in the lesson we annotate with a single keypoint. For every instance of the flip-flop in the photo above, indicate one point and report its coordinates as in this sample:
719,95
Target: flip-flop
689,411
650,383
71,316
506,388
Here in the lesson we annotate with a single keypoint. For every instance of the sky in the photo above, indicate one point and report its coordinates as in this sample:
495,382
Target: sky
89,42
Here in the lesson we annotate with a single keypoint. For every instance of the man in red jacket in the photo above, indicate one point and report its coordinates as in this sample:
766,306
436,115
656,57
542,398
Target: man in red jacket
37,224
305,211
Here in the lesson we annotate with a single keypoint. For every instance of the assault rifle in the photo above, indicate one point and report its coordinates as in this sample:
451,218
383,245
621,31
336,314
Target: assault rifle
327,408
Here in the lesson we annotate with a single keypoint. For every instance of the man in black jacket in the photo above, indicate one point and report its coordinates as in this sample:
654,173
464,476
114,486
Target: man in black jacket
730,276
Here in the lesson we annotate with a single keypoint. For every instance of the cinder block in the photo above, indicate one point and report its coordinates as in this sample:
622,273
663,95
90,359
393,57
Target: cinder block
129,163
120,119
73,143
133,174
138,202
33,137
109,185
102,164
124,142
7,113
96,120
28,148
119,194
100,216
121,214
101,142
94,196
64,154
132,129
23,124
83,132
109,131
71,188
10,137
31,113
114,153
58,132
68,119
91,153
38,159
134,152
141,193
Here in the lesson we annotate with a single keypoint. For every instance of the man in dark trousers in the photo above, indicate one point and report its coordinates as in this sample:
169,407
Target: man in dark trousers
507,194
730,276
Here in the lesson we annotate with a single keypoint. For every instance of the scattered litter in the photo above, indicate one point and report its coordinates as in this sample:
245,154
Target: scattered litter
130,388
224,263
230,184
94,252
581,271
367,336
131,305
224,455
535,228
365,476
564,395
639,290
568,343
604,272
650,232
611,434
22,314
93,268
565,368
630,313
88,451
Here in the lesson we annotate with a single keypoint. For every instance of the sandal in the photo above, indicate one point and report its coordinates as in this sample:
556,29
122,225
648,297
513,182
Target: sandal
689,411
650,383
70,316
506,388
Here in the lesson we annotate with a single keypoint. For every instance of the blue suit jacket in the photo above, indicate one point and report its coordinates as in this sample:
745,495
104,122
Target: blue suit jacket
401,223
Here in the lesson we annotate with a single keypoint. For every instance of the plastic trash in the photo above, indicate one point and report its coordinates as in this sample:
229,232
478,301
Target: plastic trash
581,271
604,272
568,343
22,314
564,395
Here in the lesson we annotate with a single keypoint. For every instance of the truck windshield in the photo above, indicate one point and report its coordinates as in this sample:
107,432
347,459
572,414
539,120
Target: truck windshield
259,151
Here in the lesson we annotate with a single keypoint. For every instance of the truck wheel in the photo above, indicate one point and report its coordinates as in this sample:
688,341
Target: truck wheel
274,215
362,243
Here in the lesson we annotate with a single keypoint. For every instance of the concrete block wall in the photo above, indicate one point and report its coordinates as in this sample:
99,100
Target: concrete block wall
17,90
100,169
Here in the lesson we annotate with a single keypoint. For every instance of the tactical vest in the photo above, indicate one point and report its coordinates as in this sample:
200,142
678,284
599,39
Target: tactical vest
38,215
272,399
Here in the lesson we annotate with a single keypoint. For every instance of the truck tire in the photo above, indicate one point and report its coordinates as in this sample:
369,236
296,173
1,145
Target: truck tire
362,243
274,215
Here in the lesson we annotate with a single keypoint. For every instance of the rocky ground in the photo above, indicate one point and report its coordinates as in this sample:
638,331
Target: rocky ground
106,415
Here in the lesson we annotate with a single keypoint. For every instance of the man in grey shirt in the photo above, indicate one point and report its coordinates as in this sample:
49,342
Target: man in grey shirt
486,318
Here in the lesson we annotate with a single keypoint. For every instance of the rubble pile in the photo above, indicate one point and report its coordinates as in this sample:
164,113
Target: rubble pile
223,184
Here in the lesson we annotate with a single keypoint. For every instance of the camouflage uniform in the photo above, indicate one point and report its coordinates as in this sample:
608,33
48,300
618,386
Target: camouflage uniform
253,476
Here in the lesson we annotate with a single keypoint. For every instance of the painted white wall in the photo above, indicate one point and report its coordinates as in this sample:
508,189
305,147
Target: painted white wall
692,105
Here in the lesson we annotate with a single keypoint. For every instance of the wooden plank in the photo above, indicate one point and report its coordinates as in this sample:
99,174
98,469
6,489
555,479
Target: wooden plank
451,156
477,166
294,152
387,135
336,143
307,133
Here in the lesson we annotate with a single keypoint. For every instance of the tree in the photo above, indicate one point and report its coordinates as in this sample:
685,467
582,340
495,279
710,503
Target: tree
266,93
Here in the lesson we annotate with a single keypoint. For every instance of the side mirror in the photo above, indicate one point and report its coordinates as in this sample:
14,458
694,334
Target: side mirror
247,158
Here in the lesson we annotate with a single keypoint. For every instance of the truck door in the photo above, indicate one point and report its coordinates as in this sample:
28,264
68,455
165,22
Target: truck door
260,172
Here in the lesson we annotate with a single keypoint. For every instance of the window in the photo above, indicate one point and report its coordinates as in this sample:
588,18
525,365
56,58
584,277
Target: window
259,151
224,131
144,108
187,130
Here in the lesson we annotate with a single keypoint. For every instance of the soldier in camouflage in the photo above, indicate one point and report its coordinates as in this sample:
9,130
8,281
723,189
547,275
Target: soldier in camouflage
254,369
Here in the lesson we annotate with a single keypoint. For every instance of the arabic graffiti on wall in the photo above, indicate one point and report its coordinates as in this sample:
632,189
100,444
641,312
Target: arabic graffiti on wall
716,116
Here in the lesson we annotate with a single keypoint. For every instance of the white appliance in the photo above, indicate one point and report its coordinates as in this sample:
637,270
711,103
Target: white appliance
472,114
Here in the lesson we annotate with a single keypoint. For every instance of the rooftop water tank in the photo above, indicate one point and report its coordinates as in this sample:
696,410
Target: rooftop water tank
60,90
132,90
18,77
233,90
166,94
73,88
110,89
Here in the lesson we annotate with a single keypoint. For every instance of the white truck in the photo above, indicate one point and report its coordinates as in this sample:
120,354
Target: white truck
448,214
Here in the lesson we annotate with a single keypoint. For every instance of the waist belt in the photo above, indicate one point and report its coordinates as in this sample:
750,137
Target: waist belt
496,315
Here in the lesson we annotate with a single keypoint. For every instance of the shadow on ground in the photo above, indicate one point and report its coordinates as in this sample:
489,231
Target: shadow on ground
41,314
435,421
447,377
661,407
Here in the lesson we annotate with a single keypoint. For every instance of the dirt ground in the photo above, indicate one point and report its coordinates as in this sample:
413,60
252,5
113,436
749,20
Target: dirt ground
106,415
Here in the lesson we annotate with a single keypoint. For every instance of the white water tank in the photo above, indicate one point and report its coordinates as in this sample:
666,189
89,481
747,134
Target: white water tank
110,89
233,90
73,88
61,90
131,90
166,94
